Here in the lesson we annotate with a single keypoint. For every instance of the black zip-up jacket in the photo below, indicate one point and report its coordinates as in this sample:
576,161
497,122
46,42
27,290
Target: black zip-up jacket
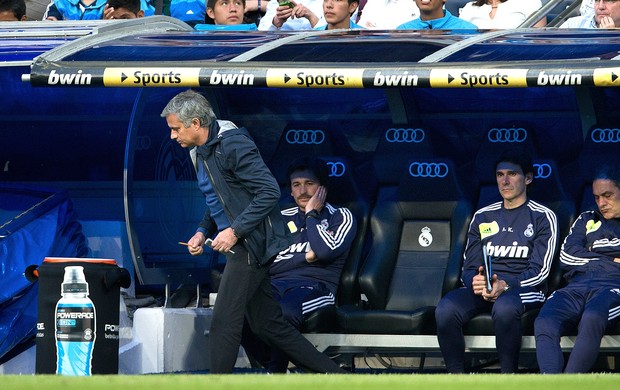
246,188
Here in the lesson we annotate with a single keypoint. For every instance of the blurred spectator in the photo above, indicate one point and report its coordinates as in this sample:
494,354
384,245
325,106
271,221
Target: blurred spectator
123,9
224,12
191,12
225,15
590,302
338,14
293,15
74,10
605,14
388,14
433,16
12,11
500,14
85,9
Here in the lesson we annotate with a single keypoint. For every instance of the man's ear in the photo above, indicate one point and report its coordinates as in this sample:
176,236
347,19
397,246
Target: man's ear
529,177
210,13
352,7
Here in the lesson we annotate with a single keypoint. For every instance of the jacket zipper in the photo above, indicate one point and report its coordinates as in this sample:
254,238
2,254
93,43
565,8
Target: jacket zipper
220,196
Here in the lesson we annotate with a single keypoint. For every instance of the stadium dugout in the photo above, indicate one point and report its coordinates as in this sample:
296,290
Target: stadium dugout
388,102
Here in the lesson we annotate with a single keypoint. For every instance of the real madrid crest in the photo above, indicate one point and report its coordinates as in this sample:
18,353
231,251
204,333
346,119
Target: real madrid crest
426,238
529,232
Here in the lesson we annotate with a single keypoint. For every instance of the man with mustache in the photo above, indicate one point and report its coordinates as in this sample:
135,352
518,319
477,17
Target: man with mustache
590,303
305,276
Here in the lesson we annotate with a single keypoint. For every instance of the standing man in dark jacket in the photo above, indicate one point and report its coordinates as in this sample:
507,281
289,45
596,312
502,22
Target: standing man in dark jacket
242,208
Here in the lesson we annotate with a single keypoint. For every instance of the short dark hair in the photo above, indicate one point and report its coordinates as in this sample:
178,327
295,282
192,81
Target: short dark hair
517,156
211,3
129,5
17,7
608,172
314,165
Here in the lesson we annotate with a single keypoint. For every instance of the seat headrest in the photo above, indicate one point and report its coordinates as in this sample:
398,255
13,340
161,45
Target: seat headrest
496,141
299,141
429,180
396,146
547,185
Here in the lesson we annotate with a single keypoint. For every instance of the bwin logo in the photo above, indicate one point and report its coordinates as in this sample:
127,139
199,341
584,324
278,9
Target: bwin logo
78,78
305,137
605,135
507,135
514,251
422,169
404,135
543,170
337,168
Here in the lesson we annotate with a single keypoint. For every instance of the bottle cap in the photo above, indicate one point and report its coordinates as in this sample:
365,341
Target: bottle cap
74,280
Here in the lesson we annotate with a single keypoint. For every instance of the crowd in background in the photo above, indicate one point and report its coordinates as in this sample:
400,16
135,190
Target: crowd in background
294,15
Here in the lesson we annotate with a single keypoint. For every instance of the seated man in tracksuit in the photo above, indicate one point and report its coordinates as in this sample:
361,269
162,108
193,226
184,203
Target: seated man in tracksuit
519,236
590,302
306,275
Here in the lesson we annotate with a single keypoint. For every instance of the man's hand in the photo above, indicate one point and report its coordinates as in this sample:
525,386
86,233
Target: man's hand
224,241
283,12
311,256
479,282
194,245
301,11
606,22
617,260
498,287
108,12
317,202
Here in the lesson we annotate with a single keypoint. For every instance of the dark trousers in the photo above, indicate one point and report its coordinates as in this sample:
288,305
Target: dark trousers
461,305
245,290
297,299
587,309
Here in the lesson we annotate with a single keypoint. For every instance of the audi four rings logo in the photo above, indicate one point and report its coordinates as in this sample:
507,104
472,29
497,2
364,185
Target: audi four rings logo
337,168
143,142
543,171
404,135
507,135
422,169
305,137
605,135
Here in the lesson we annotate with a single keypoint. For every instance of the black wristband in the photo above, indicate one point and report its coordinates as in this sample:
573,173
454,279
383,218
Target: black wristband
236,234
312,214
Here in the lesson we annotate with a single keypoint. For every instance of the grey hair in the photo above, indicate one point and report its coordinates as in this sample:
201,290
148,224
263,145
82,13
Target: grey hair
188,105
608,172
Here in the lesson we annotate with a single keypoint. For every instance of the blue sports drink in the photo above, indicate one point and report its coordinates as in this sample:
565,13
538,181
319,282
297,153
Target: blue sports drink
75,325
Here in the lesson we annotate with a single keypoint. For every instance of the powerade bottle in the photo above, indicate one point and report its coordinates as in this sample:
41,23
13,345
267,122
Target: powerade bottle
75,325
